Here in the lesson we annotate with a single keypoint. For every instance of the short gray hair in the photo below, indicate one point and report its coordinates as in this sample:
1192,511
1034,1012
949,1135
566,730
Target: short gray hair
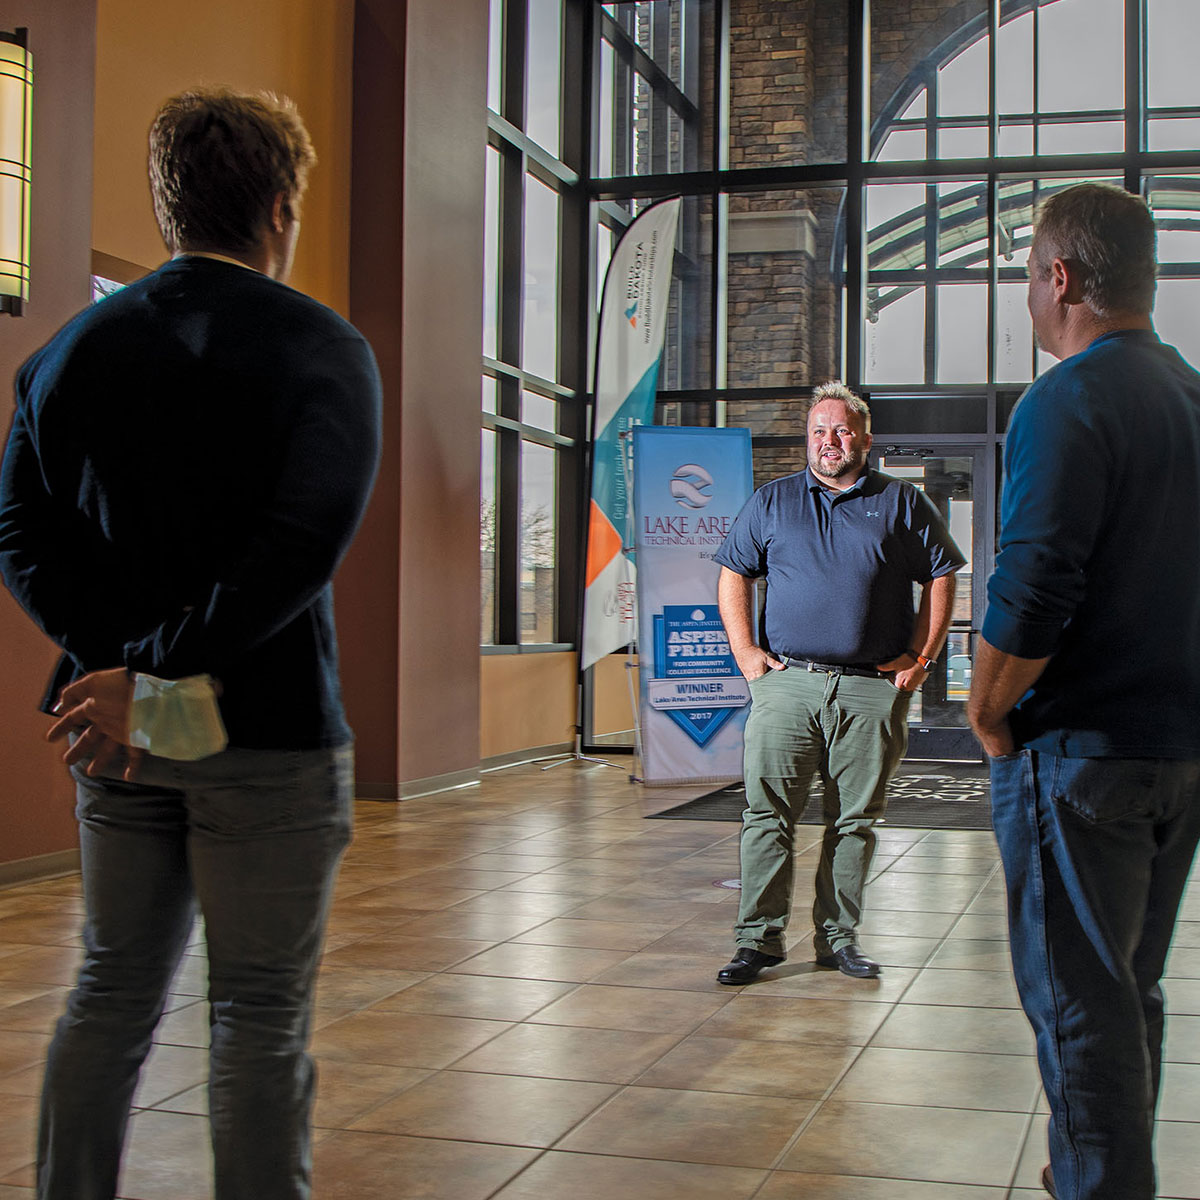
1109,234
834,389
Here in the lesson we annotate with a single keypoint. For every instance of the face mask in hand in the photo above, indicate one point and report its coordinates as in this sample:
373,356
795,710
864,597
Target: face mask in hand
176,718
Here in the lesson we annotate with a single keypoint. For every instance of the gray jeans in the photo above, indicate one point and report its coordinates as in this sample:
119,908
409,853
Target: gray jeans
253,839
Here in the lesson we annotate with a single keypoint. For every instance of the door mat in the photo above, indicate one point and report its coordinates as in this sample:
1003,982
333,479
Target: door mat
920,796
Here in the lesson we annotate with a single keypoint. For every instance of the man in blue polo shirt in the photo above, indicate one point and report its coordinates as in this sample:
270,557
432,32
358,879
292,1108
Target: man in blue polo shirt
1086,691
831,676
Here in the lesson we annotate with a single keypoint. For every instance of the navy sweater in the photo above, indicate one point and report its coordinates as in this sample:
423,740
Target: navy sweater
187,463
1099,561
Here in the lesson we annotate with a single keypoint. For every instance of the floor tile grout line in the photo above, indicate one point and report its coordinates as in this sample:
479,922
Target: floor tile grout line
686,855
781,1157
893,1008
1016,1167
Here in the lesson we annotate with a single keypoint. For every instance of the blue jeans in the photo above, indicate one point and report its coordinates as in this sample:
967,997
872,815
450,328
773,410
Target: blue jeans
253,838
1096,857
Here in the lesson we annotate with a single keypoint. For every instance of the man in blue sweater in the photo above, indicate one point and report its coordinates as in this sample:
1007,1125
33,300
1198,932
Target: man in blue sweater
187,464
1086,690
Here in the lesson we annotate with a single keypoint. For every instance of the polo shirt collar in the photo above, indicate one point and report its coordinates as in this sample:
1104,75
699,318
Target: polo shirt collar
815,485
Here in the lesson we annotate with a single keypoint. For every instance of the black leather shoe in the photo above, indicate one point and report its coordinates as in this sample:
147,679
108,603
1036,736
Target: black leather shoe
1048,1181
746,965
850,960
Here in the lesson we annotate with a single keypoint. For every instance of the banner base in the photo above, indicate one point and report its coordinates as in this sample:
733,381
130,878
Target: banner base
576,755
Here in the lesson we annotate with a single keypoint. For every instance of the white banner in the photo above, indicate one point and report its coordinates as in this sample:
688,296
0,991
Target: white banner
629,345
690,484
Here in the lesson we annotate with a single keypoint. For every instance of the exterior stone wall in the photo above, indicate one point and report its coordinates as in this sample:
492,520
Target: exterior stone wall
904,33
771,84
788,106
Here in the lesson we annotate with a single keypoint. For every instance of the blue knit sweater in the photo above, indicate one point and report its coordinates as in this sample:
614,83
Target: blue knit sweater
1099,559
187,464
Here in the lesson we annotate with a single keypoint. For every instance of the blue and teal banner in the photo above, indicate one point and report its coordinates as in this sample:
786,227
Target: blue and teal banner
689,486
633,326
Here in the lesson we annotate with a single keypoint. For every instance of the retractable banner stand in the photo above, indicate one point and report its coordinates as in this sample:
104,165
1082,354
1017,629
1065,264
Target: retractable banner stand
632,328
690,484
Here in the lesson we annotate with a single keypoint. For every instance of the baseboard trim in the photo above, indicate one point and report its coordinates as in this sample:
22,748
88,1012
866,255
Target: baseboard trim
410,789
514,758
39,867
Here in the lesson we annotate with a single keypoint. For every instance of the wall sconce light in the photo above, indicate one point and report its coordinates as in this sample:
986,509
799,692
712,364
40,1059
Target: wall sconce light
16,145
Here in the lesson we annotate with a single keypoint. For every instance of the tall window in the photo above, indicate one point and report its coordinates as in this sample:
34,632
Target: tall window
532,408
1072,77
859,181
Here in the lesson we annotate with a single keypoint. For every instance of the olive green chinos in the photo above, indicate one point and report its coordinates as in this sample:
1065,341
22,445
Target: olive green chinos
850,730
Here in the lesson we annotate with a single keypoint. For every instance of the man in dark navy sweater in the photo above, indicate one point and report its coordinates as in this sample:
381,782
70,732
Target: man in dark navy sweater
1086,689
831,673
187,464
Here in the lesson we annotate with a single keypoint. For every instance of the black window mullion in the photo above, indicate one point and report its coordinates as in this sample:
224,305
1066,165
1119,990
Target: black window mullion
493,635
993,294
993,210
993,106
932,238
512,258
508,531
1136,128
1037,61
719,205
932,231
509,326
512,72
857,148
575,284
931,117
594,66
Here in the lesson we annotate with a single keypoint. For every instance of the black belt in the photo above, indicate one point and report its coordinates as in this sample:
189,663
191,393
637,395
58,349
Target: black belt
835,668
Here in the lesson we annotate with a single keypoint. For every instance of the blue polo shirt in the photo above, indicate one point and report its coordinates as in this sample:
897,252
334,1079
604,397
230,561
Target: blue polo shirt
839,566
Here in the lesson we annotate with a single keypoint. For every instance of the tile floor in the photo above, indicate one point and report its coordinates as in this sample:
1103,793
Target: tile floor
518,1002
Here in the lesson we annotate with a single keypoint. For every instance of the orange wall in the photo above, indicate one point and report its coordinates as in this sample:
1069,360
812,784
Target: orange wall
612,702
412,582
147,50
528,701
101,68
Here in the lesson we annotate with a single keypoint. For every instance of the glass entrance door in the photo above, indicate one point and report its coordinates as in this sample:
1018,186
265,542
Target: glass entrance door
953,477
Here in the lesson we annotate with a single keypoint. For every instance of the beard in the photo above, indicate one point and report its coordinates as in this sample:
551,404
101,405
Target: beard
844,464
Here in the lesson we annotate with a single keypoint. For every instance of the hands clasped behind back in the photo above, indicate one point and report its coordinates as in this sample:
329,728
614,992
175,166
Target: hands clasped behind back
96,707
